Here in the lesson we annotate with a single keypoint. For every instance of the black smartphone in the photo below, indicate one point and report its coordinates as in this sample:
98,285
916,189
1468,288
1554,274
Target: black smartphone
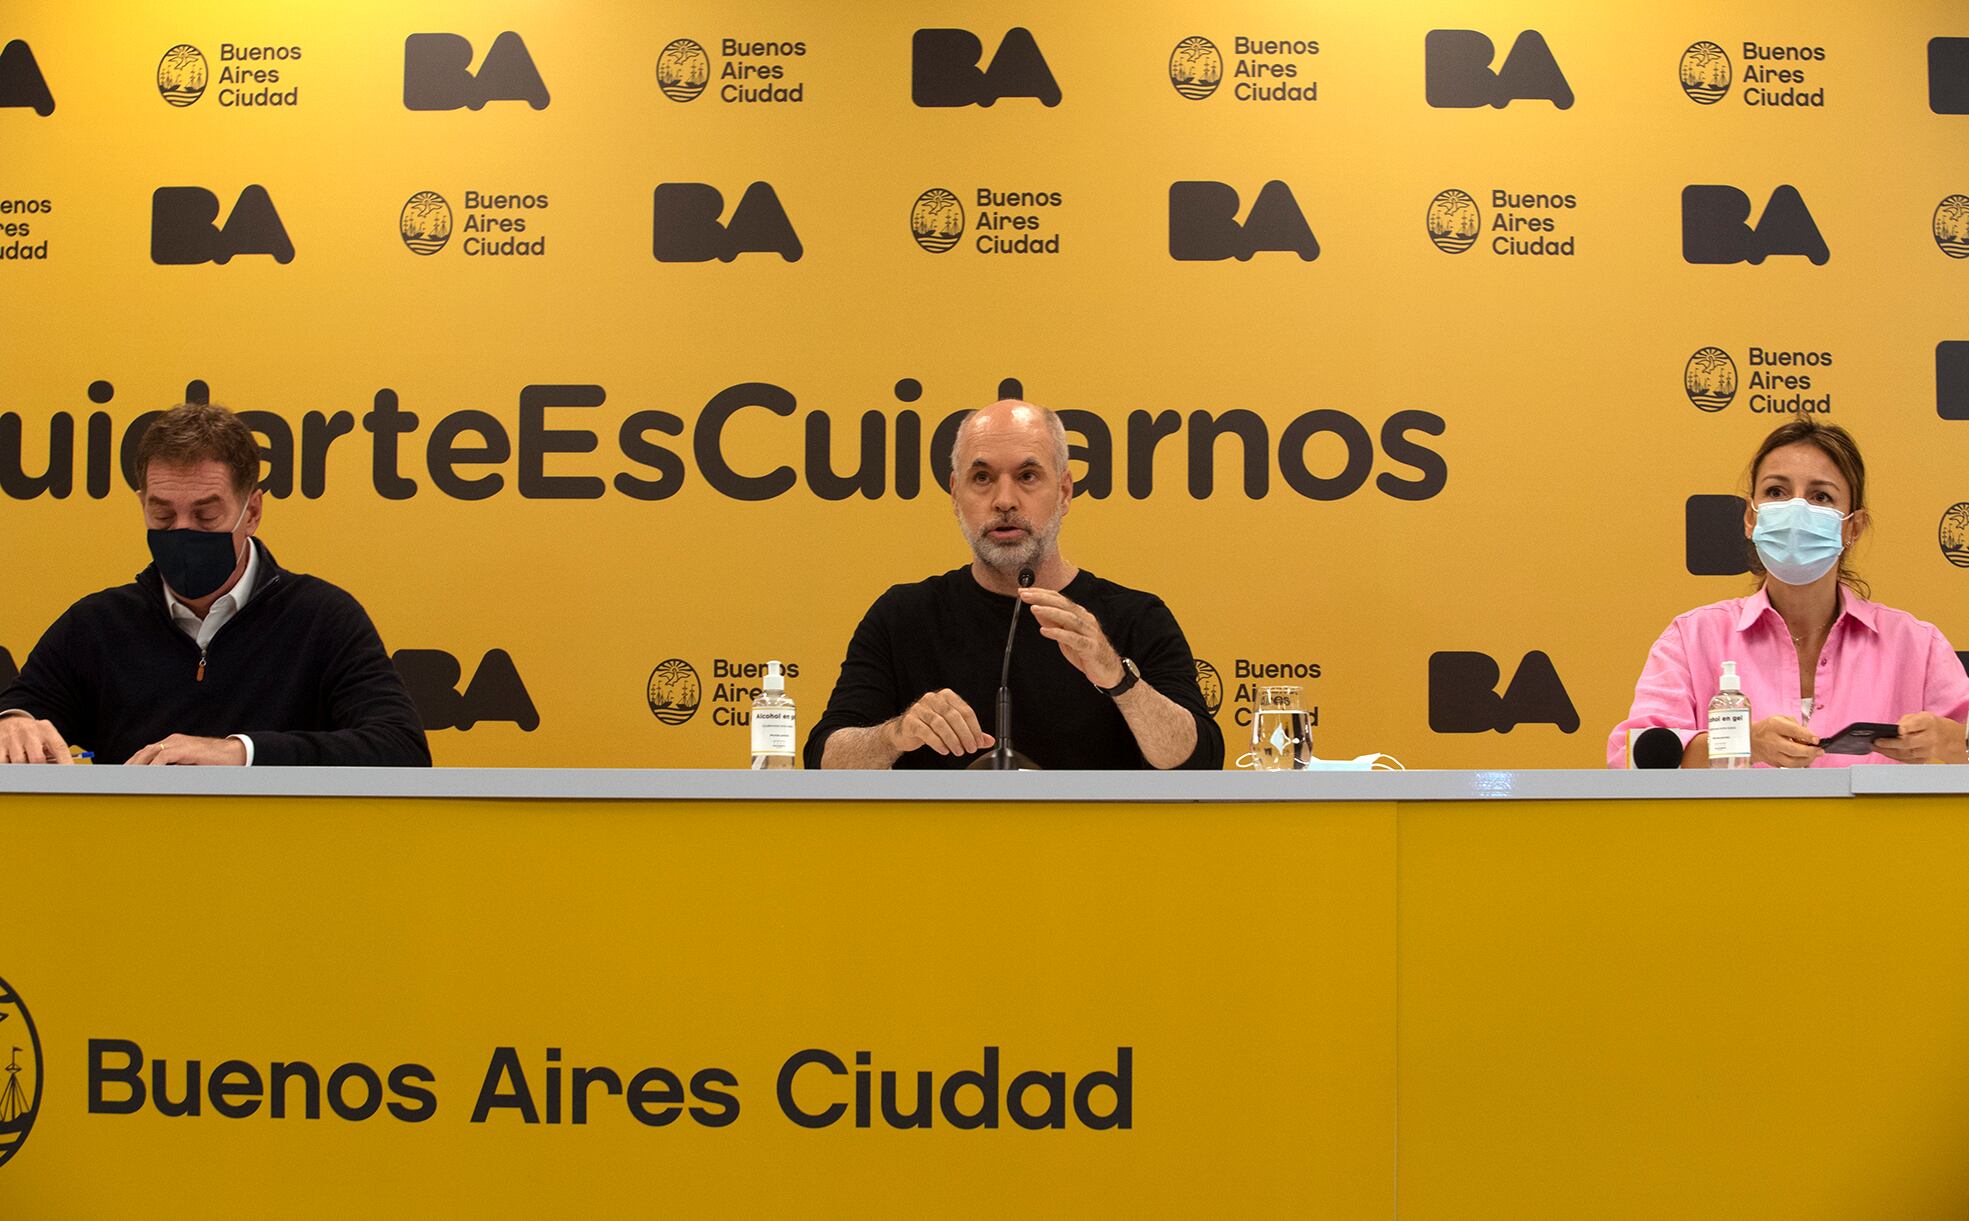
1858,738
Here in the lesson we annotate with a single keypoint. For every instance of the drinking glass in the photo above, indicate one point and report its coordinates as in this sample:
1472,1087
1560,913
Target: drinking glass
1281,732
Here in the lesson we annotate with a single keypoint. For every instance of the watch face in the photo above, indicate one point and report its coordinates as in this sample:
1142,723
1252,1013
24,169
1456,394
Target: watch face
1130,675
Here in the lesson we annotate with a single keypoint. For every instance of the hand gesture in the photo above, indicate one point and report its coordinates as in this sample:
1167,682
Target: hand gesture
1925,738
1078,633
1783,742
183,749
941,721
26,740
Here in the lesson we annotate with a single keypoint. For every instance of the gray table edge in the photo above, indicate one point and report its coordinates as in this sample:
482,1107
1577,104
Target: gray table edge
627,784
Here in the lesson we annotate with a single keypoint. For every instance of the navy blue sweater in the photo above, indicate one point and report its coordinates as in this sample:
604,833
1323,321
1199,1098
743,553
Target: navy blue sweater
299,669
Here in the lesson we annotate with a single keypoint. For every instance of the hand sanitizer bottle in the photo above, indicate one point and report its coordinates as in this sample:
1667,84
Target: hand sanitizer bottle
772,723
1729,722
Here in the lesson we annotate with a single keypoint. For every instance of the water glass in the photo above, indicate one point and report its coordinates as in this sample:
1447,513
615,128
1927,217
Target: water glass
1281,732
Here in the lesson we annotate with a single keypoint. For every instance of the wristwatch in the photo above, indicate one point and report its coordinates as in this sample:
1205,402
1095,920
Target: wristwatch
1129,677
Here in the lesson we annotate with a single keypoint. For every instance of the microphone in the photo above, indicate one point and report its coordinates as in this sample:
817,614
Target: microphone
1655,747
1002,758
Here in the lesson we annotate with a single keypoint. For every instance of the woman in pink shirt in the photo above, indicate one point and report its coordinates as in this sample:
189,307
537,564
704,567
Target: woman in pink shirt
1810,649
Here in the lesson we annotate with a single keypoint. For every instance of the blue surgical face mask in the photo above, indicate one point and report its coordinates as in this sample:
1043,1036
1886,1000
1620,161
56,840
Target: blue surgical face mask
194,563
1798,542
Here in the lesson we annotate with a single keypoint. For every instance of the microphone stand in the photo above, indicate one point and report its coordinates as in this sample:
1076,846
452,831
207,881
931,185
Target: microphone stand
1002,758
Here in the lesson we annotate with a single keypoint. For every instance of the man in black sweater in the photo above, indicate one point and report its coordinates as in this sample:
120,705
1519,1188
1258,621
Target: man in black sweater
1117,686
213,654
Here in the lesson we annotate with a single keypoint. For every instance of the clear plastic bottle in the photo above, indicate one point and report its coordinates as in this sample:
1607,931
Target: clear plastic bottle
1729,722
773,733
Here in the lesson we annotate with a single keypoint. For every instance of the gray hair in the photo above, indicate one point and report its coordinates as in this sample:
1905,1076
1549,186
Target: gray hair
1056,432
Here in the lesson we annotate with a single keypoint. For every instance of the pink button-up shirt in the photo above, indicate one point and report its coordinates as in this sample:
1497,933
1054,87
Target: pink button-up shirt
1878,664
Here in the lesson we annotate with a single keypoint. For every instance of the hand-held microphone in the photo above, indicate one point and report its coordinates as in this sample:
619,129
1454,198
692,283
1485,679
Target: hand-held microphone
1001,754
1656,747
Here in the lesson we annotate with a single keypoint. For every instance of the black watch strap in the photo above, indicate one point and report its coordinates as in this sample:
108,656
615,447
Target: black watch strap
1129,677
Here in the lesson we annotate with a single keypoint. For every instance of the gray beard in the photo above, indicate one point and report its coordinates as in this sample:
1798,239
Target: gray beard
1008,558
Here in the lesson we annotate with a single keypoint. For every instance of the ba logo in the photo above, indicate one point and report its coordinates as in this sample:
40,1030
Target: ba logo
182,232
943,70
1952,226
687,228
1713,228
683,70
21,82
1712,533
674,691
437,74
1952,379
1710,379
1457,75
1954,535
1203,224
936,220
425,224
20,1101
1454,221
1211,684
1463,695
495,694
1706,73
1195,68
1948,75
181,75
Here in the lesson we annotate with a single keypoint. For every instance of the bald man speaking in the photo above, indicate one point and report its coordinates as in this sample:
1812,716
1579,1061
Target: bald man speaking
1111,685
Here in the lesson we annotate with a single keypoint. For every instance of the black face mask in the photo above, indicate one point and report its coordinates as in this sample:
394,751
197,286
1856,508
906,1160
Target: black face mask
194,563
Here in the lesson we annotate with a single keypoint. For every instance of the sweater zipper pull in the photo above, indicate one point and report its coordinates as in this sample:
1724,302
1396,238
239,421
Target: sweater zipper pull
201,667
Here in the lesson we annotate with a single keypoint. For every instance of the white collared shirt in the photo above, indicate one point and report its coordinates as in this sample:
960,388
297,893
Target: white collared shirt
228,604
201,631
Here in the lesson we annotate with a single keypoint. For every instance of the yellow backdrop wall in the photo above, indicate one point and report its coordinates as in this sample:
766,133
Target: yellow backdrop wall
638,444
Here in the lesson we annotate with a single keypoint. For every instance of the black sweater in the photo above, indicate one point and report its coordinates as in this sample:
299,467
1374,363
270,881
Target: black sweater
299,669
949,631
